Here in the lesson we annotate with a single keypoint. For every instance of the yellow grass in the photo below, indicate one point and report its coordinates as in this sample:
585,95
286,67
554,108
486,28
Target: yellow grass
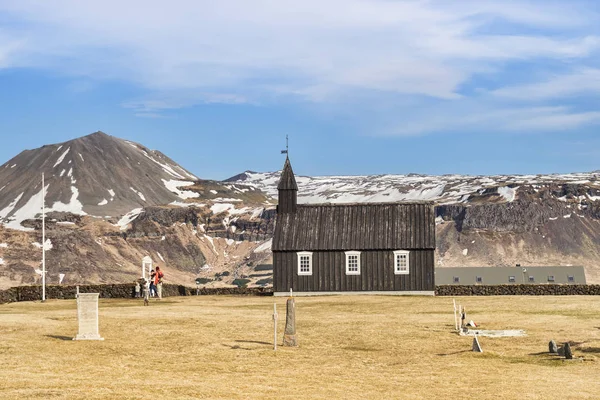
363,347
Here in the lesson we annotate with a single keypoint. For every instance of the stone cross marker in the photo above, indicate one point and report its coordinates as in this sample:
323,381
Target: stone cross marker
87,315
476,346
289,336
567,350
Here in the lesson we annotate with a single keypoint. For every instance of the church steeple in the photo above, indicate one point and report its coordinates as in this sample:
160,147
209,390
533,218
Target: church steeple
288,189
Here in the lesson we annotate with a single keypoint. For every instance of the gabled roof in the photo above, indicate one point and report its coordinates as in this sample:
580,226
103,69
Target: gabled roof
287,180
367,226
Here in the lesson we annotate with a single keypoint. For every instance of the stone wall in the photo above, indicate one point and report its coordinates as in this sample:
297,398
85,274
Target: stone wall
517,290
124,291
118,291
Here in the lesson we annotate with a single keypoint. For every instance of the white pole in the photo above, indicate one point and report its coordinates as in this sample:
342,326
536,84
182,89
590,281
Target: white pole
43,240
455,321
275,327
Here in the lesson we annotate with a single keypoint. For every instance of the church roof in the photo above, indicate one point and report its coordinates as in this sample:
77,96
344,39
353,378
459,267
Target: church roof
287,180
367,226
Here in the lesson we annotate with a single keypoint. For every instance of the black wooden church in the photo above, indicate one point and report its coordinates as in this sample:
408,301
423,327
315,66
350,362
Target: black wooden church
383,248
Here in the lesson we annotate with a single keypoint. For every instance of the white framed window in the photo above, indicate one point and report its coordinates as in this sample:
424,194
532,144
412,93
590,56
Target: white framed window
353,263
401,262
304,263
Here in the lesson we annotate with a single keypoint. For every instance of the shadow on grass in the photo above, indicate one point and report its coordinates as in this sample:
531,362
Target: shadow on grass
60,337
590,350
542,353
254,341
456,352
236,347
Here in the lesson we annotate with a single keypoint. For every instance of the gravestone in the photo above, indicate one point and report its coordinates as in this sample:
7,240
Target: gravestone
289,336
476,346
87,315
567,351
552,347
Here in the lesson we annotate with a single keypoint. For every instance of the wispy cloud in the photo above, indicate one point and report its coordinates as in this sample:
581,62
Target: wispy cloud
585,80
336,52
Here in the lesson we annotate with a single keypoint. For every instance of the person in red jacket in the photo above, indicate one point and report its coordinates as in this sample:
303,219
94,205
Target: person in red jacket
158,281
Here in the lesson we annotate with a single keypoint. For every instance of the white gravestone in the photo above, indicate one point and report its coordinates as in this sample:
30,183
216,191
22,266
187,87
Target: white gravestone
87,315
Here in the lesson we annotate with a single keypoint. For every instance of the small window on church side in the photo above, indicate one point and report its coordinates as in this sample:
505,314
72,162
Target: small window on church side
401,262
353,263
304,263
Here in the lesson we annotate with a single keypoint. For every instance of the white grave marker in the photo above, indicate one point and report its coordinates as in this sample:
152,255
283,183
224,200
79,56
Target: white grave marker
146,266
87,315
275,327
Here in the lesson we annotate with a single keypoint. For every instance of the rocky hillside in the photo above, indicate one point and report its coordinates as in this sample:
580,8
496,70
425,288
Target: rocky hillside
481,220
110,202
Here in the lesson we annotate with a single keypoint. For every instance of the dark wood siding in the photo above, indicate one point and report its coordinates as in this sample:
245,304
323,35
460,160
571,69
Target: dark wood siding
377,272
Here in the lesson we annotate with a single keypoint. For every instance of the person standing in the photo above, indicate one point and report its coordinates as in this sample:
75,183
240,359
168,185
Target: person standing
159,281
137,289
153,281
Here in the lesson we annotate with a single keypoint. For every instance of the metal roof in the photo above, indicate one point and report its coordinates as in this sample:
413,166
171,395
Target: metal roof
380,226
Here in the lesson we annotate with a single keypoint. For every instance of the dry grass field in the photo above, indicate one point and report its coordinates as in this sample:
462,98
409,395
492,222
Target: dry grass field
352,347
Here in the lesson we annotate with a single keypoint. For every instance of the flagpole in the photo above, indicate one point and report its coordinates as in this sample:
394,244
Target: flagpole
43,240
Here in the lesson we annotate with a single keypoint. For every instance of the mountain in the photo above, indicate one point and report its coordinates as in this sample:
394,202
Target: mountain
110,202
96,175
481,220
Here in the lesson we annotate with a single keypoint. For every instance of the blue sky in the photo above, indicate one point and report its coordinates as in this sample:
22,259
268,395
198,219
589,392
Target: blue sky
361,87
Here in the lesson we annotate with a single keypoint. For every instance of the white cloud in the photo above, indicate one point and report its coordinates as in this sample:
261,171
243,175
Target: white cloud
188,52
586,80
486,118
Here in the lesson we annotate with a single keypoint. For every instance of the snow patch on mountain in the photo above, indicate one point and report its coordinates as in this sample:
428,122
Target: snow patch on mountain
182,204
221,207
174,185
47,245
266,246
128,218
166,167
138,193
32,208
74,206
62,157
7,210
508,193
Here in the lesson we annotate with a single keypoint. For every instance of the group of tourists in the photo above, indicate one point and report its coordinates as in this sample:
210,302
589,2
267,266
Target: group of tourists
152,287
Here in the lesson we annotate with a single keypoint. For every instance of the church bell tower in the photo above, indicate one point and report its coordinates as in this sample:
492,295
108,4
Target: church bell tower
288,189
